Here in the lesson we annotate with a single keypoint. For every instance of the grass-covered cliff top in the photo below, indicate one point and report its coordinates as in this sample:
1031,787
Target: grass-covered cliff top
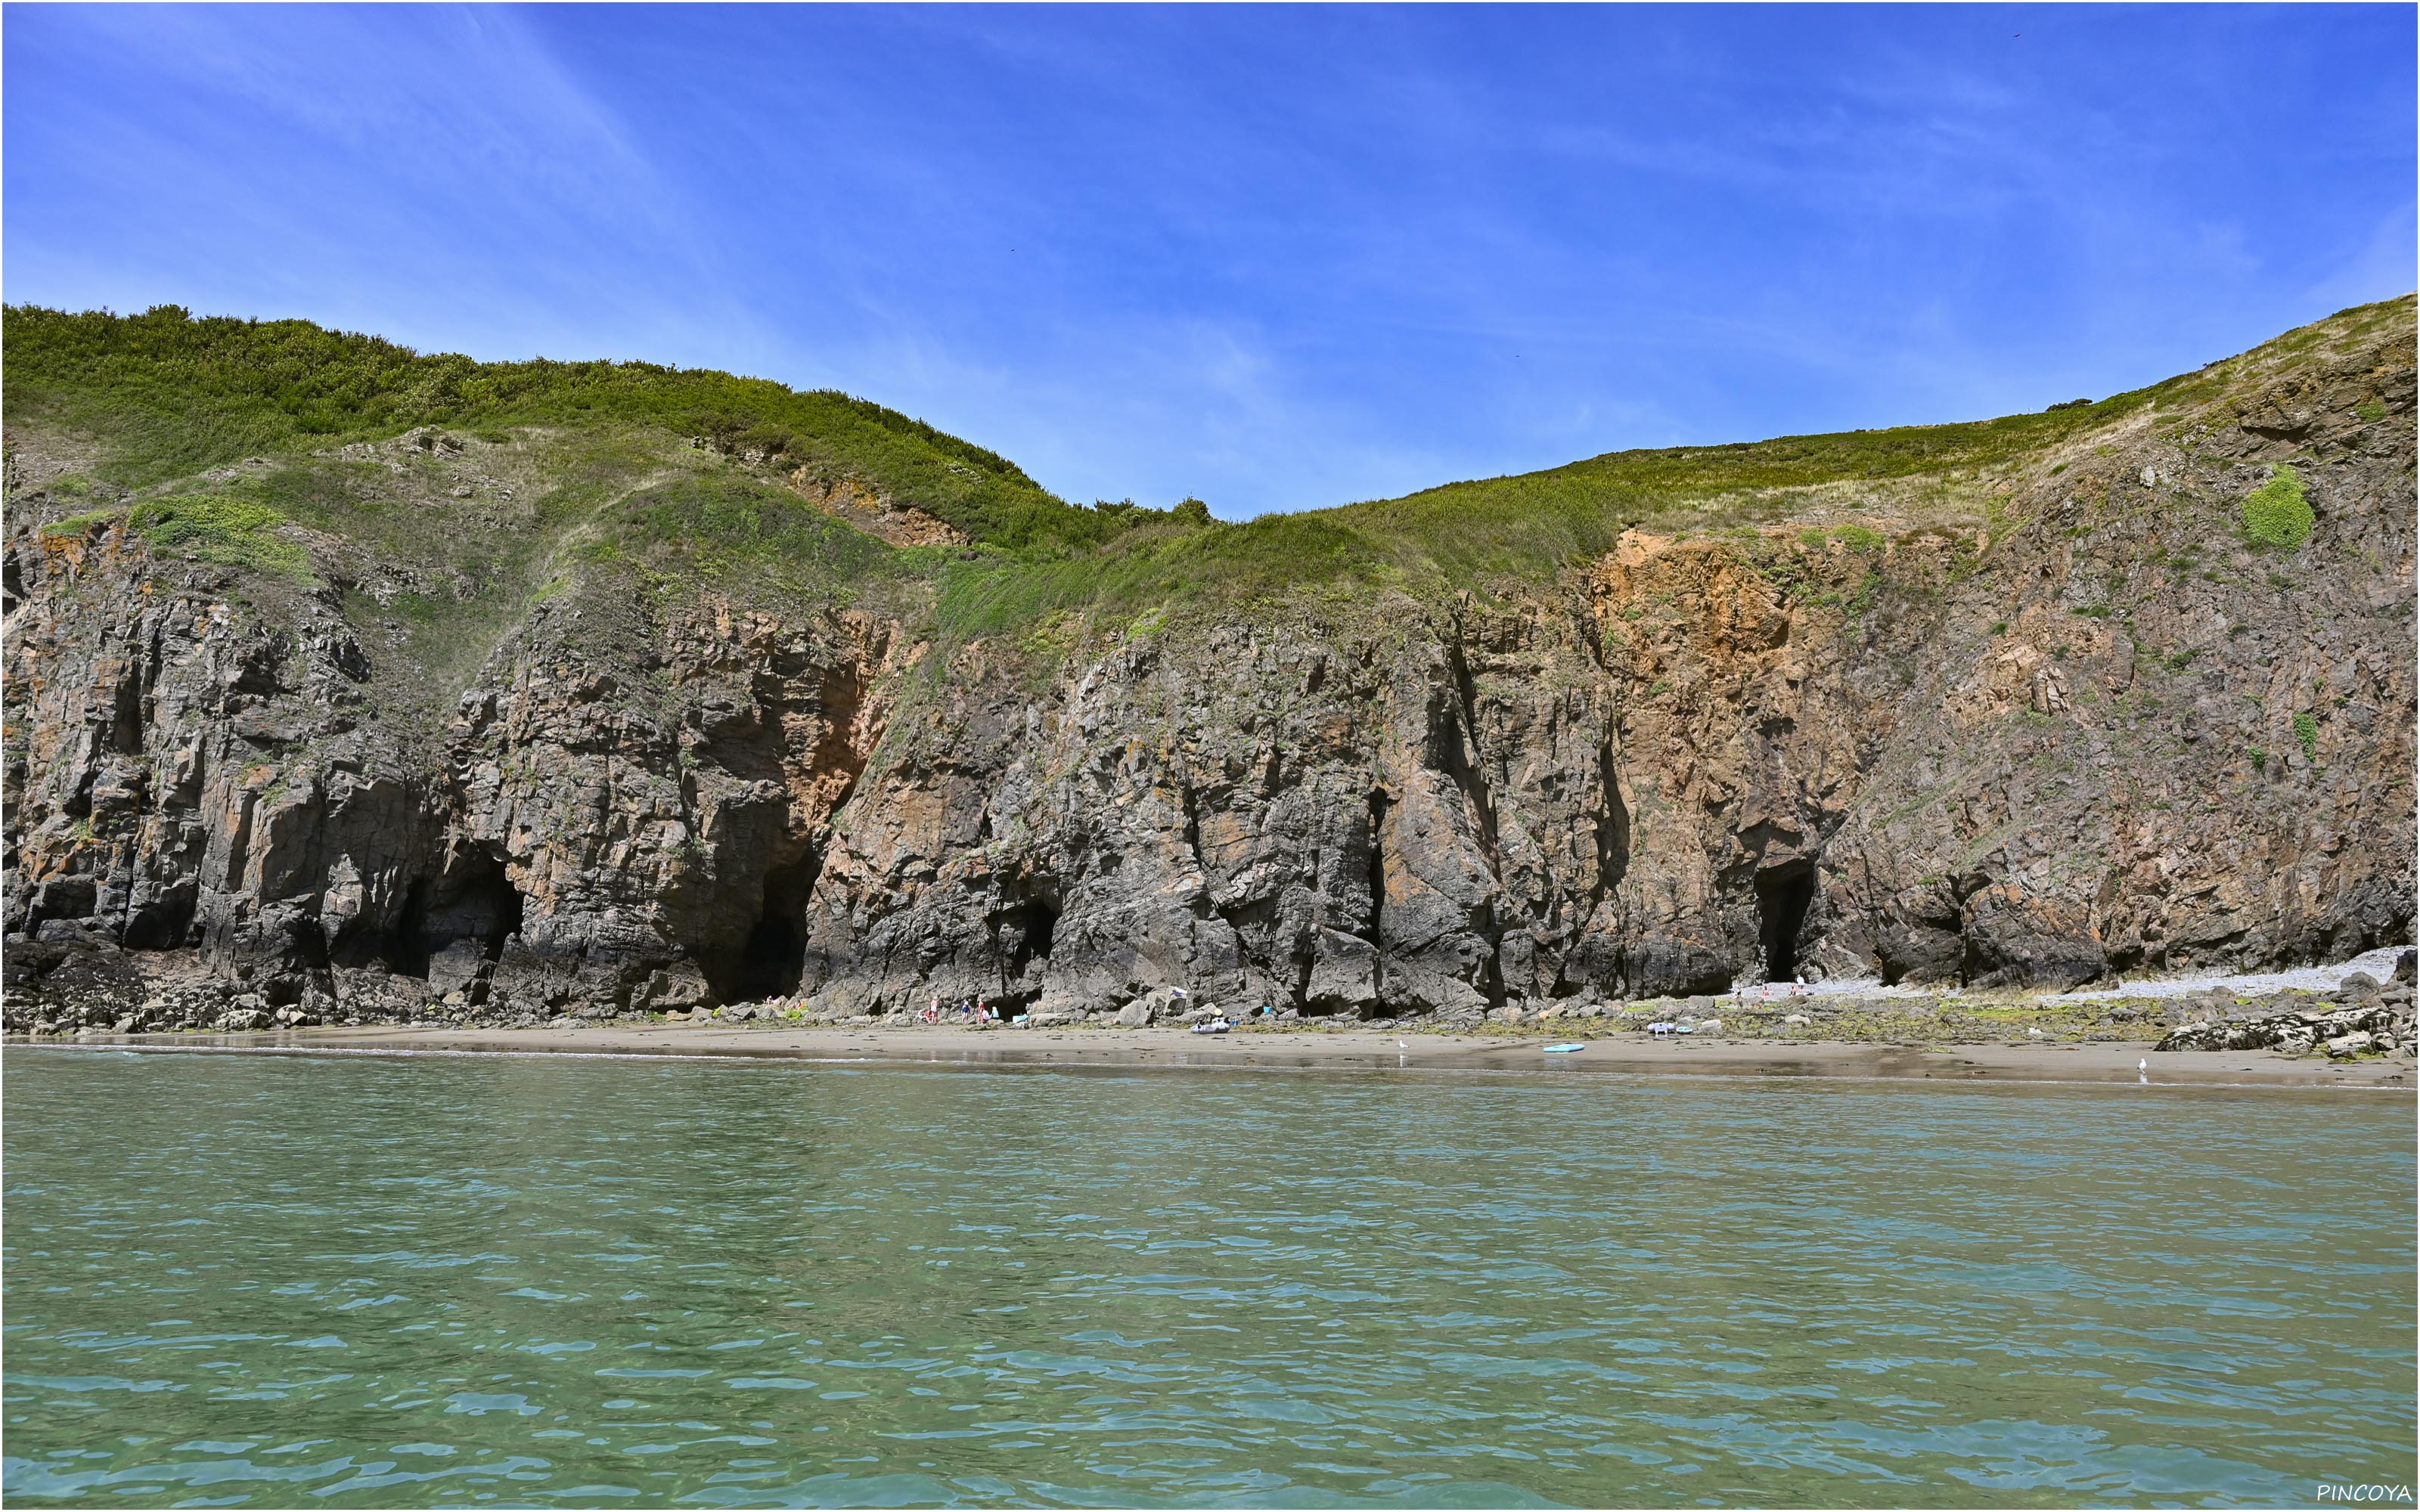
164,395
583,462
1527,527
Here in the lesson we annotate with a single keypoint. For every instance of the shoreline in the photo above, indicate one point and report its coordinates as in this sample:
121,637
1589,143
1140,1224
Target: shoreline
2099,1063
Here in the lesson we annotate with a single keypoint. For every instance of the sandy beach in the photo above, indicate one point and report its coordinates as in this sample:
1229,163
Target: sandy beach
1360,1049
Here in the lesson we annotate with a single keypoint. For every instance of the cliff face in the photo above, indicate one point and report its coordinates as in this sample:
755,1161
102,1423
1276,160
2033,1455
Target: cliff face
2083,727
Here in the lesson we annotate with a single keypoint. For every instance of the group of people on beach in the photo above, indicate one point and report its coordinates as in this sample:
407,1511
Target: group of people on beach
1767,992
966,1010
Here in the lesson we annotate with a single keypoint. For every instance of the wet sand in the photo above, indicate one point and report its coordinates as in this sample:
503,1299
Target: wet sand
1361,1049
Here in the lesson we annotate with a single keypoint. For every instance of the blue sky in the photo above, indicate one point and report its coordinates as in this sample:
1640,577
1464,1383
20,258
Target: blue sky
1275,257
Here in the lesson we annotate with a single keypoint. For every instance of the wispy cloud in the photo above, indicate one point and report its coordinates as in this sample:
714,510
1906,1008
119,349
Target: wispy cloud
1277,257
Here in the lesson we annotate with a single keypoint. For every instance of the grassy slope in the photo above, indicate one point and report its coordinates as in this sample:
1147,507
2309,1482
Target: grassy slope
167,395
600,449
1502,532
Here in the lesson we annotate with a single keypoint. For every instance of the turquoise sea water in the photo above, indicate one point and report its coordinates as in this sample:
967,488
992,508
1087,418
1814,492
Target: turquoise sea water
354,1281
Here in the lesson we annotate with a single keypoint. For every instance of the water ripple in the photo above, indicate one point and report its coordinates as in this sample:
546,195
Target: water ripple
535,1282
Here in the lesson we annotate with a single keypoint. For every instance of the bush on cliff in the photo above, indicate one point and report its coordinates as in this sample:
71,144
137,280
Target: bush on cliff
2277,512
216,527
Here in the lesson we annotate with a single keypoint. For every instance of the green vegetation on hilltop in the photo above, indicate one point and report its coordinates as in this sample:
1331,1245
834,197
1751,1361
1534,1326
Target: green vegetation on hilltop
168,395
597,457
1529,526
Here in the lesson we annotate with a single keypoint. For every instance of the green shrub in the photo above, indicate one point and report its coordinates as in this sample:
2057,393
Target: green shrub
199,518
737,533
231,531
2306,732
78,524
1858,538
2371,410
2277,512
1863,599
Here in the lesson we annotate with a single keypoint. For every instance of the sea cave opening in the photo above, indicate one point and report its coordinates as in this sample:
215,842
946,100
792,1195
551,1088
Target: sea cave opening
1783,895
472,900
773,961
505,907
1030,926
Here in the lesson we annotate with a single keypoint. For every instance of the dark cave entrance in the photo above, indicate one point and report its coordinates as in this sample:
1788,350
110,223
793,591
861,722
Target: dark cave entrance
164,925
503,904
774,959
453,929
1783,895
472,900
1033,924
404,950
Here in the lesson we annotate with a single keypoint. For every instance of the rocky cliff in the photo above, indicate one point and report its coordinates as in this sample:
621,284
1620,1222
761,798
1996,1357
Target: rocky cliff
516,720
